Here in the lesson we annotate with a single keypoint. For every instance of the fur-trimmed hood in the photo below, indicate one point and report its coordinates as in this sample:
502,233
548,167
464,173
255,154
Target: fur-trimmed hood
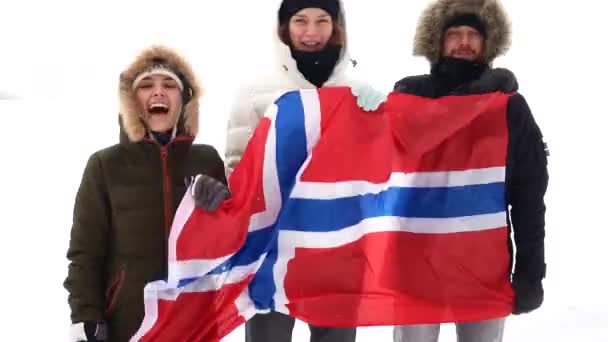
428,38
131,122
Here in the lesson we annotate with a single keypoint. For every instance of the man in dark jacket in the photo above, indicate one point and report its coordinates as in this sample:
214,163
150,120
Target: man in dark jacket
129,193
461,38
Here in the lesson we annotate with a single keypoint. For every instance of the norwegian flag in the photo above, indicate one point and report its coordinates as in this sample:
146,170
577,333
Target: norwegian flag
345,218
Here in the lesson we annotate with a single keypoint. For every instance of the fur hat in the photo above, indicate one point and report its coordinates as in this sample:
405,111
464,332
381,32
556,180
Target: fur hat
152,60
439,14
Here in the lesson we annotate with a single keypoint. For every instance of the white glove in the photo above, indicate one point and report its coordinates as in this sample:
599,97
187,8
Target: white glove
88,332
368,98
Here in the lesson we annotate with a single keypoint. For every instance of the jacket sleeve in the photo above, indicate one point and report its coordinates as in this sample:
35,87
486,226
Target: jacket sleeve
527,180
88,246
241,124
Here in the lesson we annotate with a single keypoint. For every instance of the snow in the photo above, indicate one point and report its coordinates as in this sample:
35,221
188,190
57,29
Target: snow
60,63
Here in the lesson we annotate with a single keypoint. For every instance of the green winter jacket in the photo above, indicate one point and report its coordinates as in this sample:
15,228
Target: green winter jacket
126,201
122,217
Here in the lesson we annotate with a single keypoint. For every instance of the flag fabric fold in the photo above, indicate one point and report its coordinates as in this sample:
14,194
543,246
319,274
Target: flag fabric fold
345,218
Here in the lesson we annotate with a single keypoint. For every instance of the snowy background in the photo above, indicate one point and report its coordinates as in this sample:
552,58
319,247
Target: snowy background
59,67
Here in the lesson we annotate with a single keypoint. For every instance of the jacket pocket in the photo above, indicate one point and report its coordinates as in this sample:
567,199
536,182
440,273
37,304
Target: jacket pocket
113,291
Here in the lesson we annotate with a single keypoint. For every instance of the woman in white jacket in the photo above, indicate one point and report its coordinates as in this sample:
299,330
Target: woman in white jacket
311,51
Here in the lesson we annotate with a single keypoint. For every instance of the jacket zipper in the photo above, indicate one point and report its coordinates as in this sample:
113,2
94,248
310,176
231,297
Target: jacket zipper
168,194
114,289
167,188
167,200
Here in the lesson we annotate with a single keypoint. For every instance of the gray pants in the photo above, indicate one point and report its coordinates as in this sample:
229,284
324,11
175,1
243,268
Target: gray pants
486,331
277,327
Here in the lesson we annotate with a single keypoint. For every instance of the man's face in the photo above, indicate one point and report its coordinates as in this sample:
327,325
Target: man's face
463,42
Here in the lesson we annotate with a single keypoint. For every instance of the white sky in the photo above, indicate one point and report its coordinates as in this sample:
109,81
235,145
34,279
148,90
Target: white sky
61,59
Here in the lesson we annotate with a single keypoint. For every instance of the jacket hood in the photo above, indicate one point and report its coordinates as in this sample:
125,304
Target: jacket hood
131,122
429,32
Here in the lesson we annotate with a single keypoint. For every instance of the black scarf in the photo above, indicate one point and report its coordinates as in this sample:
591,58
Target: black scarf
454,72
317,66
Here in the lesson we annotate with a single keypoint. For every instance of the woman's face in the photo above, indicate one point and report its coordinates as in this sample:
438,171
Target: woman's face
160,101
310,29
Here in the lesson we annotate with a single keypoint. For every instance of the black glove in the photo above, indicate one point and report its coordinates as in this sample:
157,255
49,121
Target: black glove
209,193
529,295
95,331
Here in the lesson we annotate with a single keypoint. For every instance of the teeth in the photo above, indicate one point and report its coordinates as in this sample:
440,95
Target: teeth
159,106
310,44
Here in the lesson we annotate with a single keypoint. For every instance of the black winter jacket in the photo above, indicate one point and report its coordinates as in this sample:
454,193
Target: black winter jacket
526,166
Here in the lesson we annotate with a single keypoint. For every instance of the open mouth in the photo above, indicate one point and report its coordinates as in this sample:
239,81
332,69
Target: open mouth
312,46
158,108
464,53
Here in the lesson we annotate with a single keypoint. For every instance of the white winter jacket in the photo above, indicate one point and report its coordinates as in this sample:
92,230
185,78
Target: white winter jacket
254,98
